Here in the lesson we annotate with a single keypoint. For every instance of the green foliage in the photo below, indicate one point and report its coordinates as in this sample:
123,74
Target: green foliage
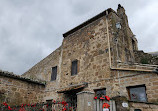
2,98
144,60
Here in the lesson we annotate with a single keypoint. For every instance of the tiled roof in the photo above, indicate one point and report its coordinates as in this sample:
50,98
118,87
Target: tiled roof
72,87
12,75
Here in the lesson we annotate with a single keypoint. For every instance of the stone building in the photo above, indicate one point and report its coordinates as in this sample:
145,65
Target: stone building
99,57
16,90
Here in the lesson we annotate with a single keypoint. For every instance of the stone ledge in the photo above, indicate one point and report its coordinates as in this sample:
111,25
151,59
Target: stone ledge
85,92
142,102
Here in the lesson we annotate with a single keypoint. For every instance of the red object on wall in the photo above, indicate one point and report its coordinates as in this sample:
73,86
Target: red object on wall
106,105
5,104
64,109
95,97
102,98
107,97
22,109
9,108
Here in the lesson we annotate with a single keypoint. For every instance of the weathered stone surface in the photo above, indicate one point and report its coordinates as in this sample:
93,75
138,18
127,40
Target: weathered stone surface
14,93
145,58
143,106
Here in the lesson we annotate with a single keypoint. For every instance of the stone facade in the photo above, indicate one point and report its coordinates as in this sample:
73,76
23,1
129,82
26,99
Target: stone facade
106,59
143,107
145,58
16,91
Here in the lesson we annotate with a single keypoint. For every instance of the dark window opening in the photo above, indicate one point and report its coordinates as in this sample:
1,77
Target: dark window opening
54,73
49,105
49,101
74,67
100,92
137,110
137,93
133,44
71,98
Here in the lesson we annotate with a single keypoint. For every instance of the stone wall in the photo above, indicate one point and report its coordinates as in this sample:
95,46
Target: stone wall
89,45
145,58
16,92
122,40
143,106
118,85
135,79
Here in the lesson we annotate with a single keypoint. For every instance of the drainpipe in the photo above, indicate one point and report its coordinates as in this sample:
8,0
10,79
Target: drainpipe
60,63
110,63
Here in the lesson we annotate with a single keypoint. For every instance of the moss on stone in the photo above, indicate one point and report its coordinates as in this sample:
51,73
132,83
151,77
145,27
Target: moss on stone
144,61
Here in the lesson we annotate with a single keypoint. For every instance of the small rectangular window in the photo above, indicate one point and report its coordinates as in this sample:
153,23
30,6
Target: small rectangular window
137,110
54,73
74,67
100,92
137,93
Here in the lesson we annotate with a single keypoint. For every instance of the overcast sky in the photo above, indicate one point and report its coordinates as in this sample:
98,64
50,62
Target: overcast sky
32,29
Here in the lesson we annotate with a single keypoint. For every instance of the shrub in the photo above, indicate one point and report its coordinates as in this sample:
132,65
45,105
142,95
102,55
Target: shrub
144,61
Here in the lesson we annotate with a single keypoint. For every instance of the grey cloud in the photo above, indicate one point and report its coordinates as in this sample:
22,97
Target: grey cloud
144,22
